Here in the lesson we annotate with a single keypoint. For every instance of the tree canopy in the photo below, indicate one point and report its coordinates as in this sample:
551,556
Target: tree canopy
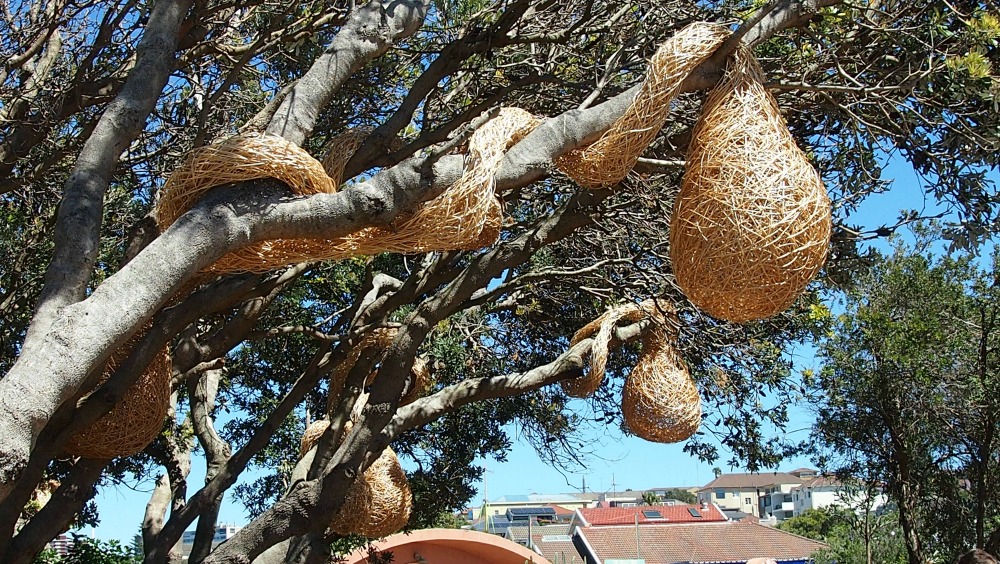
907,394
101,101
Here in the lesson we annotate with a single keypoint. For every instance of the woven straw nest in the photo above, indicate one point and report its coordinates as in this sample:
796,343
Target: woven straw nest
468,214
134,421
379,338
609,159
751,224
238,159
660,401
379,503
601,330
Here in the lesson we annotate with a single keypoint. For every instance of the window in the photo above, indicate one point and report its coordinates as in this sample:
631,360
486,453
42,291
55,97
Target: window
720,494
748,501
652,514
809,494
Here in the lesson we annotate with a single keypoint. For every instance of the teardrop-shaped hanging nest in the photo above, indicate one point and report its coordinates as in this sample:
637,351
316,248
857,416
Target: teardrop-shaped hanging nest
379,503
751,224
136,419
660,401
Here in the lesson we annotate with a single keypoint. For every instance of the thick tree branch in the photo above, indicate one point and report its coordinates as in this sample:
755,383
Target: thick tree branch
570,363
369,32
77,231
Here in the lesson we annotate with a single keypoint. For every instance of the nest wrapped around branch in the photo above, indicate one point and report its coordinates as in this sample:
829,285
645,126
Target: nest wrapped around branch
751,224
136,419
378,503
601,330
609,159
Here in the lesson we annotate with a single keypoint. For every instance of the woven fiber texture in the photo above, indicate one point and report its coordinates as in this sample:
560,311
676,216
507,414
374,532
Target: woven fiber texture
660,401
340,149
468,215
609,159
751,224
601,329
134,421
238,159
379,503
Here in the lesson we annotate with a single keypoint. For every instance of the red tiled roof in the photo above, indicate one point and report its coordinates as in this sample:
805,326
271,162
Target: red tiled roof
698,542
671,514
752,480
560,510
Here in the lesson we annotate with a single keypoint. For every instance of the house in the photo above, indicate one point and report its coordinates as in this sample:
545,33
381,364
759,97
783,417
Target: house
826,491
522,515
724,542
500,505
758,494
518,532
647,514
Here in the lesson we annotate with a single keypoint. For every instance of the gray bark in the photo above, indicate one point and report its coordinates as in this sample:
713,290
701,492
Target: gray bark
369,32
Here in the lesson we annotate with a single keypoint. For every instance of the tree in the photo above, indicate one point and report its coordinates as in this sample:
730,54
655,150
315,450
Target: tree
683,496
850,542
101,100
907,396
650,498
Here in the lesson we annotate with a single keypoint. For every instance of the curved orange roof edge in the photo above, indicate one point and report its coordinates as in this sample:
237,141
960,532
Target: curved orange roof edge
450,546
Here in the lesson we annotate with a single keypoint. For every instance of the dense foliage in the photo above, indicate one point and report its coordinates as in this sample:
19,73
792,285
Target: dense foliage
907,393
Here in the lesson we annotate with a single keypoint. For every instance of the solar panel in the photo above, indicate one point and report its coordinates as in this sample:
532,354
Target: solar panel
652,514
694,512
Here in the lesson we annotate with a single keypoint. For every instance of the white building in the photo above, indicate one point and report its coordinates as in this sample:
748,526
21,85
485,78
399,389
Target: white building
825,491
222,533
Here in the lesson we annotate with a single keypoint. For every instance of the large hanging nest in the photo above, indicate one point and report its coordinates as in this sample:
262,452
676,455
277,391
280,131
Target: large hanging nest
134,421
612,156
751,224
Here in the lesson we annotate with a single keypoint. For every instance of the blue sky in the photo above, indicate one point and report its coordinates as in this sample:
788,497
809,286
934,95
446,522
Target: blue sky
624,462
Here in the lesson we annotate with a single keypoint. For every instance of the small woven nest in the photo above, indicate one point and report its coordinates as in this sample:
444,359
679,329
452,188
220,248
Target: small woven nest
751,224
609,159
134,421
660,401
379,503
